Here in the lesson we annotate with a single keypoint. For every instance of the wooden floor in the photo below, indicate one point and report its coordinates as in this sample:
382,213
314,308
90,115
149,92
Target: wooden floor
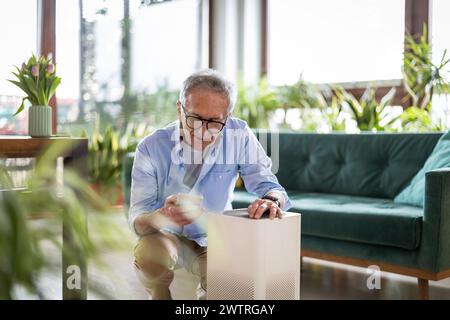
319,280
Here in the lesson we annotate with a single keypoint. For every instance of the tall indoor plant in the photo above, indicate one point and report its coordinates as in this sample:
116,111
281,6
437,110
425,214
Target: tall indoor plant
37,79
422,77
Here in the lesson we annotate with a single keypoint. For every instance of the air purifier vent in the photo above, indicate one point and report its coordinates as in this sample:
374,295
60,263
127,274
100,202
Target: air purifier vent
226,286
281,286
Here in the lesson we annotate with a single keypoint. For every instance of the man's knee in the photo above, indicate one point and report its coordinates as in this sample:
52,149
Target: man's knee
156,255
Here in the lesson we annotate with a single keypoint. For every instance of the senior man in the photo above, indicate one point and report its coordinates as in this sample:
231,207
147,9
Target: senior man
187,170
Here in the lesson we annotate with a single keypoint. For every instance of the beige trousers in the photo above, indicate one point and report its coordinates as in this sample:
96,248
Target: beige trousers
158,254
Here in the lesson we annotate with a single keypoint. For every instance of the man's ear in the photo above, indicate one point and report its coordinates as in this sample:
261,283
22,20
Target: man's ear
179,107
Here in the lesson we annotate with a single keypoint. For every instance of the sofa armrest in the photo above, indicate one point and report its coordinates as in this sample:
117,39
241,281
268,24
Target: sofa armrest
436,223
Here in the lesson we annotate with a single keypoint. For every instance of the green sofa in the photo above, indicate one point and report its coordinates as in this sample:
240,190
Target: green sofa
344,185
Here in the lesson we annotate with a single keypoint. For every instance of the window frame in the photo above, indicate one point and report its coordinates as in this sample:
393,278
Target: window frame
46,42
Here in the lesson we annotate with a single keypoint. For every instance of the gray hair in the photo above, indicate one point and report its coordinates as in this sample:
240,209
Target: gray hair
209,80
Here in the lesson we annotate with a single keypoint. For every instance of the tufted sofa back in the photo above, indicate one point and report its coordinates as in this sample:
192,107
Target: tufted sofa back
366,164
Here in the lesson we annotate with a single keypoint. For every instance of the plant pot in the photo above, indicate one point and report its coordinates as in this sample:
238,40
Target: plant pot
40,121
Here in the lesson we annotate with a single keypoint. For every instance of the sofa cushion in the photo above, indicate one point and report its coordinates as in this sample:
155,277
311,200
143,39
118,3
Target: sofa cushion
414,193
350,218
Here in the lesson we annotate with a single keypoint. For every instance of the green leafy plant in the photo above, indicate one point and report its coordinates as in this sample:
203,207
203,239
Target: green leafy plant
414,119
369,113
37,79
159,108
304,96
307,98
106,151
132,134
104,156
334,115
422,78
301,95
24,245
255,102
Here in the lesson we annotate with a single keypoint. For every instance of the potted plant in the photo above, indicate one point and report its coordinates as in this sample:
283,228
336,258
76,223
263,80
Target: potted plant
369,113
254,103
37,78
423,78
107,148
29,225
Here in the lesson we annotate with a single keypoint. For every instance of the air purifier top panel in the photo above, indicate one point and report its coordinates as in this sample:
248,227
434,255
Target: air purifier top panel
243,213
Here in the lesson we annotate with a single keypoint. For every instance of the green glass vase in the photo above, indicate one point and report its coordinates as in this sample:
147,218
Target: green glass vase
40,121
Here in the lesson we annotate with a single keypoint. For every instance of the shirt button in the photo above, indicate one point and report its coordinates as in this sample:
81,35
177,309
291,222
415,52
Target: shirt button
220,177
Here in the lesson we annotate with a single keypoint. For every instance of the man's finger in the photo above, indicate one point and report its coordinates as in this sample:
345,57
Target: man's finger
252,208
273,212
256,207
180,219
168,211
279,213
183,222
175,214
171,200
177,211
261,209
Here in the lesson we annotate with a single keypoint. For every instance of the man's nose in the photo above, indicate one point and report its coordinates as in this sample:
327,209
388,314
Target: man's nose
203,128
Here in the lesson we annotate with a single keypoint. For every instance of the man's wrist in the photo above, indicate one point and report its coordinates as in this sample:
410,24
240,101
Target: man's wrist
273,199
150,222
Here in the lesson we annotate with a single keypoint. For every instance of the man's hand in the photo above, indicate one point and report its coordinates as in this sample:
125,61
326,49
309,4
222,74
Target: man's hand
179,209
174,211
259,206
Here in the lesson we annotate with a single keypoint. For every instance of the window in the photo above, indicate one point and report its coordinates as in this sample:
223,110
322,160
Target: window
330,41
165,43
20,17
440,28
88,52
110,69
68,59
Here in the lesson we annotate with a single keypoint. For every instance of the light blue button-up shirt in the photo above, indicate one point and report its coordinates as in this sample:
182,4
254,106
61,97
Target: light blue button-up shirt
159,169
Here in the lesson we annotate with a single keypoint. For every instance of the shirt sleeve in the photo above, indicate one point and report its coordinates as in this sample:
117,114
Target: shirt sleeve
144,187
255,168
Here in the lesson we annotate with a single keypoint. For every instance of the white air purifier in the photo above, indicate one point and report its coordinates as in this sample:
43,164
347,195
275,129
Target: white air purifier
253,259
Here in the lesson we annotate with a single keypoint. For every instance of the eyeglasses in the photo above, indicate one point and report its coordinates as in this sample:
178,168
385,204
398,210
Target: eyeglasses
195,123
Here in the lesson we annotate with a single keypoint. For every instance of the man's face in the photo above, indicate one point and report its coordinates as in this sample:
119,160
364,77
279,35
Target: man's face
206,105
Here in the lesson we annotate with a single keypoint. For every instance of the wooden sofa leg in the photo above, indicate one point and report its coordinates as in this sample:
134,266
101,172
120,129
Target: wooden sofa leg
423,289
